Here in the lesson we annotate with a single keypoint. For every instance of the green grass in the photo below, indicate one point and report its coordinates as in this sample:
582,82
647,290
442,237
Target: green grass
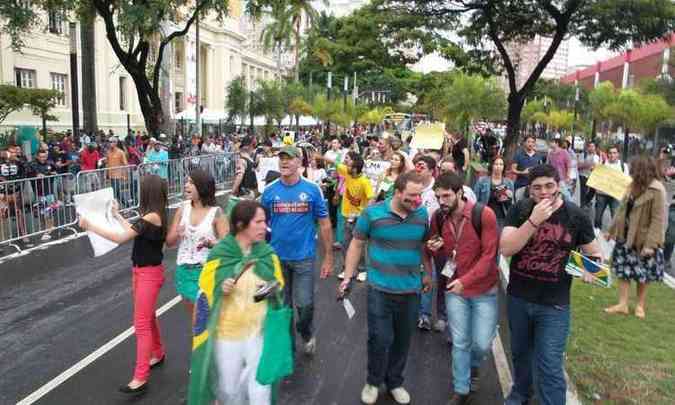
622,359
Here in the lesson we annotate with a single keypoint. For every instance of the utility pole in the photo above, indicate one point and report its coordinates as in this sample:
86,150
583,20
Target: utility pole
74,98
198,103
344,93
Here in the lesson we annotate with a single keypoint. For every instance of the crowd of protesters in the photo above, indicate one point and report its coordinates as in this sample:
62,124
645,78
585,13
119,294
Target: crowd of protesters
414,225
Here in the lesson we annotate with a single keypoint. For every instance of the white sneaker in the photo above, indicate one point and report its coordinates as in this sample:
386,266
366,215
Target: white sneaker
369,394
310,346
440,325
362,276
400,395
46,237
341,276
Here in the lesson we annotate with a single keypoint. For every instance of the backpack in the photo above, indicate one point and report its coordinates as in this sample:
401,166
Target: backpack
476,213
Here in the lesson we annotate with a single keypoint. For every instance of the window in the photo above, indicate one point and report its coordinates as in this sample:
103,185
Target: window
59,83
178,56
123,93
25,78
179,102
56,22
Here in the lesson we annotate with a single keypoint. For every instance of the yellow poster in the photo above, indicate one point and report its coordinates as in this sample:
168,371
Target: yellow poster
428,136
609,181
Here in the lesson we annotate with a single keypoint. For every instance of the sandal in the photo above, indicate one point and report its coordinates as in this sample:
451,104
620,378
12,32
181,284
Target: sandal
617,309
640,312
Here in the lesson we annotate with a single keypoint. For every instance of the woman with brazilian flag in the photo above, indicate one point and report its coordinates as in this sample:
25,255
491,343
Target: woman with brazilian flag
241,343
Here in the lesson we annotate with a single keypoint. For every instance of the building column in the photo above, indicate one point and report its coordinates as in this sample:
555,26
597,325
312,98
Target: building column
666,61
626,69
596,79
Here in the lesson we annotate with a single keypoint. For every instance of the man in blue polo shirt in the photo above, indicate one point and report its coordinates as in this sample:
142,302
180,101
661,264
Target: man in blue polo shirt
294,205
395,230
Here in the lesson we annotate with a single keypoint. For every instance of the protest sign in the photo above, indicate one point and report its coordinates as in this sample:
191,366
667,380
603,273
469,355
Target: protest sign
609,181
428,136
374,169
96,207
265,164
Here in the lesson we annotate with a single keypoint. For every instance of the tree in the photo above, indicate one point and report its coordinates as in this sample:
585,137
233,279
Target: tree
273,104
498,23
138,32
471,97
237,100
654,112
662,86
599,98
278,33
288,15
41,102
12,99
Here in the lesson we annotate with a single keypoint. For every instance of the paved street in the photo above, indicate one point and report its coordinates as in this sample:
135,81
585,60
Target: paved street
59,305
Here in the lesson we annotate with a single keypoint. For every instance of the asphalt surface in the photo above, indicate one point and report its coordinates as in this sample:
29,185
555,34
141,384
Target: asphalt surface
60,304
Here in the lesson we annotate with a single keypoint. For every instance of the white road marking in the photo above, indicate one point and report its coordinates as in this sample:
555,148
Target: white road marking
77,367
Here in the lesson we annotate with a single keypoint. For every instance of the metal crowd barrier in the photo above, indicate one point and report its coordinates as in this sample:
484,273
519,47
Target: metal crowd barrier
39,206
36,206
124,180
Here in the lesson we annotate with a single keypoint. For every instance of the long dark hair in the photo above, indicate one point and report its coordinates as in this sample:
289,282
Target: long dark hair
205,185
400,169
154,197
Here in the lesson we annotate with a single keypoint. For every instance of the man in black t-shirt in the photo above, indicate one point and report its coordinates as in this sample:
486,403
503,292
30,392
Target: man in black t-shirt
539,234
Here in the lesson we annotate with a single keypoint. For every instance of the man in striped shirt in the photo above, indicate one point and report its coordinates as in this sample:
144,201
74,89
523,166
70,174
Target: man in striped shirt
395,230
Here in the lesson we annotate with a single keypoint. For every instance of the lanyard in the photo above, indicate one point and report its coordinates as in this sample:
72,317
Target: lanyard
457,233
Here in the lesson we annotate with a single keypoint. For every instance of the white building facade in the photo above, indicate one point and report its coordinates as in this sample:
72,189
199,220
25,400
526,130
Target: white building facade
226,52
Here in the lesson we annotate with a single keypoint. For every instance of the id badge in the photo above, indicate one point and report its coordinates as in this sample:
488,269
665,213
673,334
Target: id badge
449,268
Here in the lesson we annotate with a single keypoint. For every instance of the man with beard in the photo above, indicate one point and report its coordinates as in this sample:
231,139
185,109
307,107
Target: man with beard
539,233
395,231
471,271
294,205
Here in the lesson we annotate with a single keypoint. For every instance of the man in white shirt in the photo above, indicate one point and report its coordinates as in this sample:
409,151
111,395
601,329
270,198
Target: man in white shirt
586,165
603,200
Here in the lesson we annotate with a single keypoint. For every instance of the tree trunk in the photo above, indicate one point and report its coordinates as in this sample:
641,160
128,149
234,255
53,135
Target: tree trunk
150,103
516,103
44,127
297,50
297,124
88,41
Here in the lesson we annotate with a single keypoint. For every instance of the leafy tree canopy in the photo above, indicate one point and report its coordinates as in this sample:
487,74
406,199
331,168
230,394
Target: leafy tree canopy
484,25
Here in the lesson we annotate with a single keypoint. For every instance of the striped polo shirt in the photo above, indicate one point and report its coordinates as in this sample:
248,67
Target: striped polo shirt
394,247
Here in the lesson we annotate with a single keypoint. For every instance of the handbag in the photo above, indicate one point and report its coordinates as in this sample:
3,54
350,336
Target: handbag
276,360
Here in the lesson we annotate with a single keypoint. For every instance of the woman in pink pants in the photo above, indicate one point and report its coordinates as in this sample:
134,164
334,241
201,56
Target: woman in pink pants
148,234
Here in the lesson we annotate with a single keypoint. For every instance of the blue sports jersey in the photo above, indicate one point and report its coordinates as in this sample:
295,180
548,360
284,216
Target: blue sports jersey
292,212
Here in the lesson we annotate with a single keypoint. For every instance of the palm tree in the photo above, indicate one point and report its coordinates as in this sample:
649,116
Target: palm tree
277,34
288,15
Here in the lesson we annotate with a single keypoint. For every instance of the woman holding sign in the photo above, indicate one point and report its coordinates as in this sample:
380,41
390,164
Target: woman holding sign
638,228
148,234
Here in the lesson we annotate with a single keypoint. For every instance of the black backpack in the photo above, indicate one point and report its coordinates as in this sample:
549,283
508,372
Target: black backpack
476,213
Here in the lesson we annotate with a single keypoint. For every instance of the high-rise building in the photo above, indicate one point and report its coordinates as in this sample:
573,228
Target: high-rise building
526,56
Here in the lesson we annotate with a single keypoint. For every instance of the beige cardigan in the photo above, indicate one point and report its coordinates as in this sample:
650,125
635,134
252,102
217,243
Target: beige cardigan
647,224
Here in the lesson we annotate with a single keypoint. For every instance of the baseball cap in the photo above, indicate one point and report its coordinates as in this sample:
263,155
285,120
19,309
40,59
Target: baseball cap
153,140
291,151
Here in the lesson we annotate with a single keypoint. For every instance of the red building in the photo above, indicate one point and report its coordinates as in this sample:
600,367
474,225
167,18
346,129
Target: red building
629,68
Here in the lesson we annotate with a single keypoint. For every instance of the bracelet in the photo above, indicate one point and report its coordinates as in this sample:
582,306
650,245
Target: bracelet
532,223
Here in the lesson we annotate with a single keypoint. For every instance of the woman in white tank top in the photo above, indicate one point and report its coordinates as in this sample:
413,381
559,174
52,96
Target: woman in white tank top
197,226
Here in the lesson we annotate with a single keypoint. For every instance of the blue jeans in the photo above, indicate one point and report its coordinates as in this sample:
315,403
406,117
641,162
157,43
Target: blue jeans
538,340
299,293
601,203
391,322
473,324
439,282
